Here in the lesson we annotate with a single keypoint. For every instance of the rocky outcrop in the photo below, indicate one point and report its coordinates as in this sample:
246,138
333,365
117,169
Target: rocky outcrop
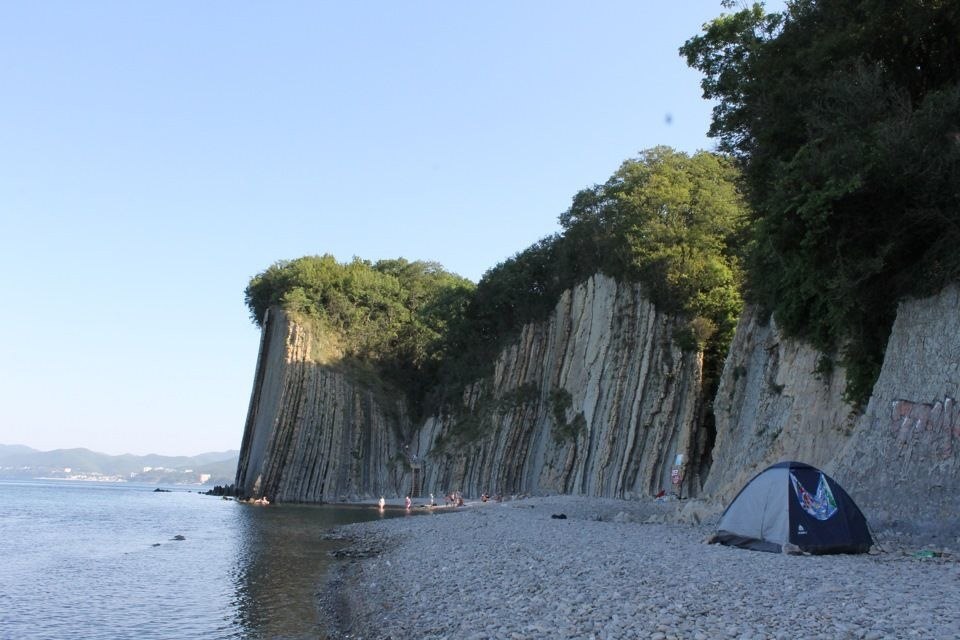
313,433
596,401
903,459
899,459
774,403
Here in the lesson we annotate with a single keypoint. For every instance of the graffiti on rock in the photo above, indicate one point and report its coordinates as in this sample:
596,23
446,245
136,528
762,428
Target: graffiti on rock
937,424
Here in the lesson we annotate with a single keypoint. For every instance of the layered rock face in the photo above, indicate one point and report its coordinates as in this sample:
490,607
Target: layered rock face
900,459
903,458
596,401
771,405
312,433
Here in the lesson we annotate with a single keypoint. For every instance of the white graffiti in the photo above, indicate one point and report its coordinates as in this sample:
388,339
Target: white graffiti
937,423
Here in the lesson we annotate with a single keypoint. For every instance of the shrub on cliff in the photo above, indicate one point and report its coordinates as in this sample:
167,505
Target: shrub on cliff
672,222
844,117
391,314
665,218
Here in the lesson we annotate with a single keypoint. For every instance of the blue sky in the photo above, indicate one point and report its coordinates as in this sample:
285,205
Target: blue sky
155,156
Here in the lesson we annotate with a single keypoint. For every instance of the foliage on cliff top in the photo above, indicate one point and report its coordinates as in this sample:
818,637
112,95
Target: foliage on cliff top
392,314
665,218
845,117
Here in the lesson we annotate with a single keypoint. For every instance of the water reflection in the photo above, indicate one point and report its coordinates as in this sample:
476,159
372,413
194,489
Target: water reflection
281,559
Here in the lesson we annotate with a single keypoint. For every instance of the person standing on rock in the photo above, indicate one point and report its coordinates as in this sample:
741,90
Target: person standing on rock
408,503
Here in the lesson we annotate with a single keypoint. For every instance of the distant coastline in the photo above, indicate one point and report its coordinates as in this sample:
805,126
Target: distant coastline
81,479
18,462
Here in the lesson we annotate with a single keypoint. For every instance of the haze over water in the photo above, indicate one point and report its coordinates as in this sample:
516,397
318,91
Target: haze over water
79,562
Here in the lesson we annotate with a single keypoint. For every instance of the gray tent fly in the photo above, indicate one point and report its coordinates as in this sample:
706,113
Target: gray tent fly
792,503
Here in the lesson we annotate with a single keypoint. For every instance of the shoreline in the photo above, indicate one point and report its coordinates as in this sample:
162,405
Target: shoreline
616,569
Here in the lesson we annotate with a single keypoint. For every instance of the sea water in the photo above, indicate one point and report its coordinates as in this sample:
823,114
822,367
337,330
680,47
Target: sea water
100,560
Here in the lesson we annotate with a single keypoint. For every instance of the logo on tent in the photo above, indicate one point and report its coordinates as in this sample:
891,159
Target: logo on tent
821,506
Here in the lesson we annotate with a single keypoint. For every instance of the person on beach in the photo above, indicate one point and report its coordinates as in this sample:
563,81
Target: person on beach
408,503
382,503
432,503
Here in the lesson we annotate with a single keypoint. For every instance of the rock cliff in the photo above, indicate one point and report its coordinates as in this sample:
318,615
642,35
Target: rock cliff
898,459
597,400
903,458
313,433
772,404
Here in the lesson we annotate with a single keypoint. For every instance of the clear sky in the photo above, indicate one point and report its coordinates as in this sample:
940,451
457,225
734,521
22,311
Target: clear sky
155,156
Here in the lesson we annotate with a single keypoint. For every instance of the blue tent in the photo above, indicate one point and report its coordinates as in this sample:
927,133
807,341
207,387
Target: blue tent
795,503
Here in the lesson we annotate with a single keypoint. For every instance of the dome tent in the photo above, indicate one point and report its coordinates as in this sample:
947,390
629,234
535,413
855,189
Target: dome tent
792,503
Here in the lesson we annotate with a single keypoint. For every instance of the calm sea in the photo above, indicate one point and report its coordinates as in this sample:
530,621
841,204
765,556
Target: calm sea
91,560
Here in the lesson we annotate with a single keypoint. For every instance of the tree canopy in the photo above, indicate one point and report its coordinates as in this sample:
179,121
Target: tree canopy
391,315
845,119
665,218
671,221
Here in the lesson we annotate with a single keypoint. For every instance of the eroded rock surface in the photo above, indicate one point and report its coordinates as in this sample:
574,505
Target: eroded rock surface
597,400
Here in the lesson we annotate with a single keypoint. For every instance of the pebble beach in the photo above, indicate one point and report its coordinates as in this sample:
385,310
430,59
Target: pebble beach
574,567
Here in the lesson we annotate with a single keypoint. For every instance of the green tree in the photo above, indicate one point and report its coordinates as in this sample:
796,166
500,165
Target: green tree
844,117
390,316
671,221
665,218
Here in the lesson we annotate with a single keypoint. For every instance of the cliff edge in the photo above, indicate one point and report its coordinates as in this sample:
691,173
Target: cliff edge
899,459
598,400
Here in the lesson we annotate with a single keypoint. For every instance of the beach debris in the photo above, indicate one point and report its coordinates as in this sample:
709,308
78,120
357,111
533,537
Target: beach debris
791,549
358,552
559,516
178,537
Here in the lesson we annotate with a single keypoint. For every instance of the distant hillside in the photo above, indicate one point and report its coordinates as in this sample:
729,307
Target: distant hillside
20,461
7,449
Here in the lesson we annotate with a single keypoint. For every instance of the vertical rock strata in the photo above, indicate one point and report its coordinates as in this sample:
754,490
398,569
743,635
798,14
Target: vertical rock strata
903,459
597,400
772,404
899,459
312,434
